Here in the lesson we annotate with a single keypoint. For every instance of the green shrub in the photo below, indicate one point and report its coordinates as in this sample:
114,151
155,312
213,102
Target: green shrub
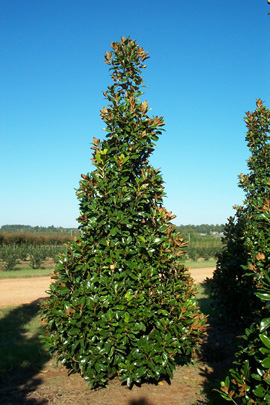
193,253
9,256
123,303
37,255
22,252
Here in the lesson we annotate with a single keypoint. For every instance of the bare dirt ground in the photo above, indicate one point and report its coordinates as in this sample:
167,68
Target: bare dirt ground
44,383
25,290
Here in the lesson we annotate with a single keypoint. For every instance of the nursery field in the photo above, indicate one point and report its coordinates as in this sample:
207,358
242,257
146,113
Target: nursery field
30,376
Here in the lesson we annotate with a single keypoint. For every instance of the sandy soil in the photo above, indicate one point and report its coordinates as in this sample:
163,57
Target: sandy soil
25,290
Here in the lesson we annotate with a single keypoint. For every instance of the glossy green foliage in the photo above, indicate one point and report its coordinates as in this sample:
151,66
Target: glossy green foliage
249,381
123,304
236,278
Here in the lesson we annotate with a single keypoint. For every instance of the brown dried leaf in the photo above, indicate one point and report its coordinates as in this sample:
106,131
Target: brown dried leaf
96,141
266,206
144,106
103,112
260,256
108,56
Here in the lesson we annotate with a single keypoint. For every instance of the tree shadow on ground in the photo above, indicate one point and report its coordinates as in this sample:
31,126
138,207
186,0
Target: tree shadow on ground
217,351
21,355
140,401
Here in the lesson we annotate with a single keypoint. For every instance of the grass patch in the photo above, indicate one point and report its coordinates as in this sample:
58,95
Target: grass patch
200,263
203,299
25,272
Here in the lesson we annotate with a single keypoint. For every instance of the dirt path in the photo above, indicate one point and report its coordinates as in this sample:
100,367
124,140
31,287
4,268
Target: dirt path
25,290
19,291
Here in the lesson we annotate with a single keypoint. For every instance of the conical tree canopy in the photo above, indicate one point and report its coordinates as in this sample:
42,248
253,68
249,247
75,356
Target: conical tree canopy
248,380
123,303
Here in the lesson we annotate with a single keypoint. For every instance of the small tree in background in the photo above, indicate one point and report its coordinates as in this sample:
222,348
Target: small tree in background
249,380
123,303
232,291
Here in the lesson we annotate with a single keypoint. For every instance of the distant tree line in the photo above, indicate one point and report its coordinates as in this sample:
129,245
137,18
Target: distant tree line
39,229
202,229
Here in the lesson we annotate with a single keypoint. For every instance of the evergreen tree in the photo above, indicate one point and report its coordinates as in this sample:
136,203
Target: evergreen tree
123,303
246,233
249,380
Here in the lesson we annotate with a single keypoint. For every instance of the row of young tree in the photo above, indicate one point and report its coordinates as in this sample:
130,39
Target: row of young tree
28,255
123,304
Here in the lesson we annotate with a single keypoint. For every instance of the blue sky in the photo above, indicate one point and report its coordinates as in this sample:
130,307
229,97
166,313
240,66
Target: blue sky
209,61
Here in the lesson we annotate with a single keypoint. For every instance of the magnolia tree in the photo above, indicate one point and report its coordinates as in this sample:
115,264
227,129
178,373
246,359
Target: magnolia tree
237,276
123,304
249,380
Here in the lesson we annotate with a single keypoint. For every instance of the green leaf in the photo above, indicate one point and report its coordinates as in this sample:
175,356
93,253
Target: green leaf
266,362
265,323
129,381
114,231
265,339
98,157
263,350
259,391
256,377
263,296
126,318
141,371
246,369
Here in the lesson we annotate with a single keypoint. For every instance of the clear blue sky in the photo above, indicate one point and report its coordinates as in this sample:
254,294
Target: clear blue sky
210,60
